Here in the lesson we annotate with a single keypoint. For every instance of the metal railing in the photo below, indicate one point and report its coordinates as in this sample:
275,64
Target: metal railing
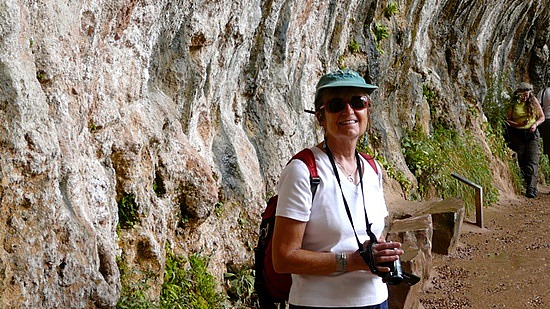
478,198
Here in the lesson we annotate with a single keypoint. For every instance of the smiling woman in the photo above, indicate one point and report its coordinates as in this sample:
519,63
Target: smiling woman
334,263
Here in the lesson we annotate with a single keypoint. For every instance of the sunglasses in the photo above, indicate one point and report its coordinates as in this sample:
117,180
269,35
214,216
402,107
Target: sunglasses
337,105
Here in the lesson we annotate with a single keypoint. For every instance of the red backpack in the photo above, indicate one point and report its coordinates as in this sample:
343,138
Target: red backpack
271,287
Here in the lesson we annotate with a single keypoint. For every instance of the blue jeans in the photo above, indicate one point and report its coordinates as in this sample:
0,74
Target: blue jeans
383,305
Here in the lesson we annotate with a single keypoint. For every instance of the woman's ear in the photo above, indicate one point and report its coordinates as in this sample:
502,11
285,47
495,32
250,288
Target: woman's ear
320,117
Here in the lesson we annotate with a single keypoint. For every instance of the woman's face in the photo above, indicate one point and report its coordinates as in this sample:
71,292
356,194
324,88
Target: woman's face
523,95
341,120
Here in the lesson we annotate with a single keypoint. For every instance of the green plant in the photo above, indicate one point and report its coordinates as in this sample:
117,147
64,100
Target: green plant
432,159
42,77
92,127
240,287
545,168
380,32
353,46
496,103
200,286
218,209
134,287
128,212
391,9
428,93
341,64
187,284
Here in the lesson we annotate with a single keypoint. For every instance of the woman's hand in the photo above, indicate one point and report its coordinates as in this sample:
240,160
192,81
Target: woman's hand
533,127
385,252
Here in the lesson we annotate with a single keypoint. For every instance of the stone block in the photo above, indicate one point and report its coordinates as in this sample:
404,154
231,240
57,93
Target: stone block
447,217
415,234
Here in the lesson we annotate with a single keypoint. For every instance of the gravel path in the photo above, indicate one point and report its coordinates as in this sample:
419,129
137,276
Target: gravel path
503,265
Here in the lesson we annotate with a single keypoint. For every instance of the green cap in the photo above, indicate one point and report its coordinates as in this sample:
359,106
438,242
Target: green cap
344,78
341,78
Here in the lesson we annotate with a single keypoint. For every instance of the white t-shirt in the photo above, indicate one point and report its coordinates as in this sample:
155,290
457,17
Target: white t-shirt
329,230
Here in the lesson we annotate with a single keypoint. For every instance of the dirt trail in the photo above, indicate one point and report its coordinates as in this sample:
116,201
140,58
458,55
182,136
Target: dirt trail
503,265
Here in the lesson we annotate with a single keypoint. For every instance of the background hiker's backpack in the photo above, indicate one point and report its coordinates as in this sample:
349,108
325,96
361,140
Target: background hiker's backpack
271,287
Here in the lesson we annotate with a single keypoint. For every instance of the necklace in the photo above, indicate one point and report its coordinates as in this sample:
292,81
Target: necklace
351,176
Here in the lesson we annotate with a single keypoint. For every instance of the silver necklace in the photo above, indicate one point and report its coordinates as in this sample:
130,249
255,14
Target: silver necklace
351,176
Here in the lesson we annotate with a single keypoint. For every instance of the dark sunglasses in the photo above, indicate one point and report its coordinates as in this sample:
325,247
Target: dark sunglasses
337,105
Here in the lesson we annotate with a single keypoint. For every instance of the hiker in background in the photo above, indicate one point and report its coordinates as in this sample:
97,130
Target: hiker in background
524,117
317,242
544,99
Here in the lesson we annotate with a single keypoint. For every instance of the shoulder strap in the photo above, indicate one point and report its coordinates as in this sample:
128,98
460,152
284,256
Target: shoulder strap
371,161
307,156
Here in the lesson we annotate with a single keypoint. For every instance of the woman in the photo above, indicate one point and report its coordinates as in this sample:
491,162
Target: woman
317,242
524,116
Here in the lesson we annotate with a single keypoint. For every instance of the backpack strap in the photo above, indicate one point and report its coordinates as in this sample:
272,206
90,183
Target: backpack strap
307,156
371,161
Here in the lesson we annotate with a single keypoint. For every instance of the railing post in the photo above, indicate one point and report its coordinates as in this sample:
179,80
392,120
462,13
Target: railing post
478,196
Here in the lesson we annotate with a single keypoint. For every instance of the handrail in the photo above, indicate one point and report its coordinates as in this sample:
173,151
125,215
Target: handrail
479,198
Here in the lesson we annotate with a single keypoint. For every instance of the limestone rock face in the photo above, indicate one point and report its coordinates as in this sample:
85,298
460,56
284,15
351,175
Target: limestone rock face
181,114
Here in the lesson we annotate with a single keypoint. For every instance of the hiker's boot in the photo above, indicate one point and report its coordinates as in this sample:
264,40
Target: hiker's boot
531,193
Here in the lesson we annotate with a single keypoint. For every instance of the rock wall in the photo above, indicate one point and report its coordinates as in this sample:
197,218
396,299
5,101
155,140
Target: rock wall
191,108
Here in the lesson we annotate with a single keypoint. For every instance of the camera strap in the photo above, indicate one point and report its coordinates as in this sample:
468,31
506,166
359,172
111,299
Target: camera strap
366,253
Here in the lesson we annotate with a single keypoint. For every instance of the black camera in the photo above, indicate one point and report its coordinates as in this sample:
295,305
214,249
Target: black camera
393,277
396,275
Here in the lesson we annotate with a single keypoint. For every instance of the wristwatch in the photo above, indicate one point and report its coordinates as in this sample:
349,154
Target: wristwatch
341,262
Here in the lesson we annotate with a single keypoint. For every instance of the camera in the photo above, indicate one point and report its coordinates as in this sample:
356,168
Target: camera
395,276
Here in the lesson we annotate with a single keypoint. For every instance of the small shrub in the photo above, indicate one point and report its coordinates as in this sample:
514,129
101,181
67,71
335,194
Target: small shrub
380,32
353,46
391,9
240,287
128,212
133,293
428,93
218,209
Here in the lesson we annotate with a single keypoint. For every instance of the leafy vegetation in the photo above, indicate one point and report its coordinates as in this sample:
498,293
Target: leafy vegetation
391,9
545,168
191,287
240,288
353,46
134,287
434,158
380,32
128,212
